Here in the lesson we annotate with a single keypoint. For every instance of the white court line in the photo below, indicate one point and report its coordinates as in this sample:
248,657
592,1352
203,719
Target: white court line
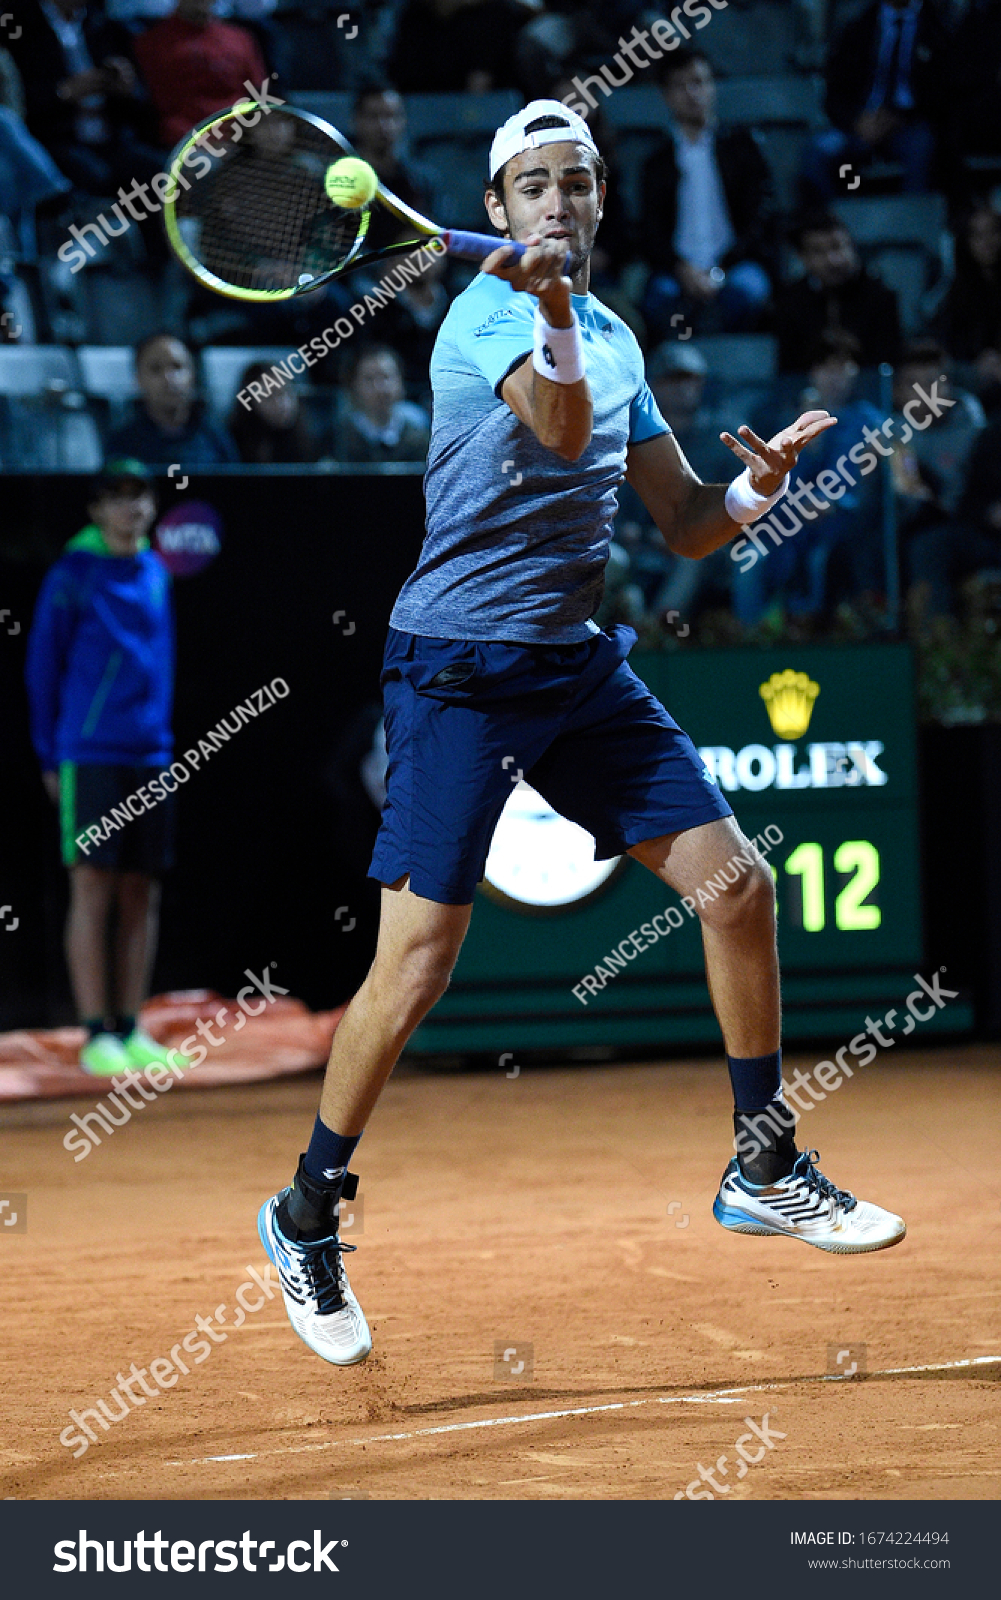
716,1397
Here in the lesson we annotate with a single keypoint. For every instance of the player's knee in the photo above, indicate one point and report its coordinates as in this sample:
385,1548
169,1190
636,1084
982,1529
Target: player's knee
419,979
749,897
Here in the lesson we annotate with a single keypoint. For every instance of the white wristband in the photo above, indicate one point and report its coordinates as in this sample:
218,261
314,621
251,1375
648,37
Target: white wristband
559,352
743,502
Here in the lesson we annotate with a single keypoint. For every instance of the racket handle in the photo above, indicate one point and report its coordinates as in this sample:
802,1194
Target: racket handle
477,246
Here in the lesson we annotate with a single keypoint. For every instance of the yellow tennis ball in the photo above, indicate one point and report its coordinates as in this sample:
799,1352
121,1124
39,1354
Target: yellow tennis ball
351,182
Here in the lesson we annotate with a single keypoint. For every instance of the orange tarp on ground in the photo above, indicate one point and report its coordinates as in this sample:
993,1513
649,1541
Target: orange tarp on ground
42,1064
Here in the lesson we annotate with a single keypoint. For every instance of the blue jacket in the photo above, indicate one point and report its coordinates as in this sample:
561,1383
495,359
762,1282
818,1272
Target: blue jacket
100,662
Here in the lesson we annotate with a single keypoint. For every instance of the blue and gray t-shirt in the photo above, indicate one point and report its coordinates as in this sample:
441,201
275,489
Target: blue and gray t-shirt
517,538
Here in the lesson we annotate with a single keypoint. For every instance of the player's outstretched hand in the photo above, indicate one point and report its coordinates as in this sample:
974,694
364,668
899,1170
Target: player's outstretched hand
769,463
538,272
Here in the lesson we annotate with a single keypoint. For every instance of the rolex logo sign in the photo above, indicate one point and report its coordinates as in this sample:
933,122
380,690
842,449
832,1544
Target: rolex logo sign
789,698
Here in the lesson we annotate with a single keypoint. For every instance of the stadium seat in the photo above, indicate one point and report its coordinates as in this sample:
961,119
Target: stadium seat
781,109
905,241
917,219
19,309
109,381
35,369
759,37
330,104
222,366
456,116
450,134
741,357
108,372
51,432
789,100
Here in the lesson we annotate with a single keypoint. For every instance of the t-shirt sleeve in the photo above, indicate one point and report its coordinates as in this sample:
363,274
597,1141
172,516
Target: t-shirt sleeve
498,341
645,420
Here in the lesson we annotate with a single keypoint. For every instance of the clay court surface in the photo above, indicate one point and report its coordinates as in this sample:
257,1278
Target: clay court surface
533,1210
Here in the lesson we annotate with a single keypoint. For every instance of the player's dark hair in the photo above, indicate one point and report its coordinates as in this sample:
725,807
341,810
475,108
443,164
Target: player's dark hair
496,183
363,352
834,344
817,221
680,61
924,352
255,439
154,338
371,90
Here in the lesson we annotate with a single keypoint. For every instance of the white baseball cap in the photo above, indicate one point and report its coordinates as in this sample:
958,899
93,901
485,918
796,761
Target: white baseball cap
511,138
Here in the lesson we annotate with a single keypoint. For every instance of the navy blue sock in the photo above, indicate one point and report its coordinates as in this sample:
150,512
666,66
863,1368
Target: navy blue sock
756,1080
329,1153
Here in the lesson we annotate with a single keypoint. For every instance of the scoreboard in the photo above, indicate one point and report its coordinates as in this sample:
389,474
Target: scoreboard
815,749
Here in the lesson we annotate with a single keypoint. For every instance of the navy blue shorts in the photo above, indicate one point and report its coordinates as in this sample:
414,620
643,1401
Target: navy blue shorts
462,718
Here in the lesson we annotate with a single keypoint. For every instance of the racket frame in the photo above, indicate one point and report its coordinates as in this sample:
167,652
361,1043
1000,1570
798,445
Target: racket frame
354,258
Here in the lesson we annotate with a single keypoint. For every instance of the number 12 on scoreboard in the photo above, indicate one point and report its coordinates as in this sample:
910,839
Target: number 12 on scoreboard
855,856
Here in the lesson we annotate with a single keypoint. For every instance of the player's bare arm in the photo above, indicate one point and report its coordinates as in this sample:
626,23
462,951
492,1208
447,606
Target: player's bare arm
560,415
549,199
692,515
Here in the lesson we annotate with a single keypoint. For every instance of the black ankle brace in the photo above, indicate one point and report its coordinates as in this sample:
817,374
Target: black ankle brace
771,1147
311,1207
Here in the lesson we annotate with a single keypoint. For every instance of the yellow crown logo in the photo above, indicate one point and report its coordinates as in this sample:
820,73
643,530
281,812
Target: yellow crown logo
789,698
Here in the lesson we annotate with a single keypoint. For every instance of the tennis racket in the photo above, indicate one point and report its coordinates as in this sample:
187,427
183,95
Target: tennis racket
247,212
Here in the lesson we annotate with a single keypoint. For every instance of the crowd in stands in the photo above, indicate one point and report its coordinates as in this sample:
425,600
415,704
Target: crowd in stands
758,285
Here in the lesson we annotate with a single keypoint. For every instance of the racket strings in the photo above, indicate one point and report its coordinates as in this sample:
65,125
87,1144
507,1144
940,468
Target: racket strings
261,218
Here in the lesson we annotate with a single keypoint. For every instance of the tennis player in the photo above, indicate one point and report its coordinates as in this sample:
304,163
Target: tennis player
540,409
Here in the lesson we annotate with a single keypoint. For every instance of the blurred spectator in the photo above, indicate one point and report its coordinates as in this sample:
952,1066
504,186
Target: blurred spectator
168,424
380,129
272,429
380,425
677,374
976,79
969,319
834,553
194,65
410,321
457,44
887,94
943,554
942,448
834,292
28,177
83,98
706,210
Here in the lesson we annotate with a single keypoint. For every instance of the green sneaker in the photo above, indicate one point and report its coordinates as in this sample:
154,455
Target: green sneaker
104,1056
142,1050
